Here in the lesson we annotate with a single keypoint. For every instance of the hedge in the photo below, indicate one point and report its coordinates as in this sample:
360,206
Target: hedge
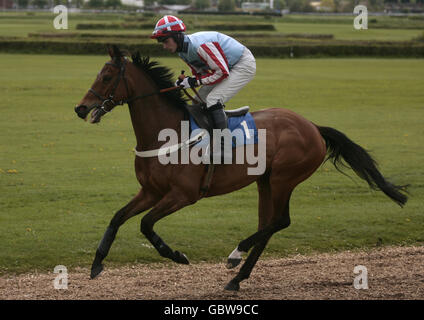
113,26
339,51
120,36
232,13
140,26
72,35
236,27
59,47
409,49
279,36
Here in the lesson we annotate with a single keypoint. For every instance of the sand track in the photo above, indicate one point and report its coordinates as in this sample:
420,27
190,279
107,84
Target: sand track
393,273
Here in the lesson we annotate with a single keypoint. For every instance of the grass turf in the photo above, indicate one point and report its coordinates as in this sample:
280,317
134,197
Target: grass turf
61,179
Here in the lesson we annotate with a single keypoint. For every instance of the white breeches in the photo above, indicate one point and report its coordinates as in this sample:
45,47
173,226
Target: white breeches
240,75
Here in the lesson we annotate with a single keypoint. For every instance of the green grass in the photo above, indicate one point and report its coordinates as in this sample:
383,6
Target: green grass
62,179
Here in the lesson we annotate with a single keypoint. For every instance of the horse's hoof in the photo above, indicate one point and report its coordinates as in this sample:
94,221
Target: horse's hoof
232,286
232,263
180,258
96,270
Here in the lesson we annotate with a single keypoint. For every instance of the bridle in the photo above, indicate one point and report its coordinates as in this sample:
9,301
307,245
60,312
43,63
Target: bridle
108,103
109,100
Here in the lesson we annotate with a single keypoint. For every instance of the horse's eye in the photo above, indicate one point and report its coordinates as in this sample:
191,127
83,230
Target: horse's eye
107,78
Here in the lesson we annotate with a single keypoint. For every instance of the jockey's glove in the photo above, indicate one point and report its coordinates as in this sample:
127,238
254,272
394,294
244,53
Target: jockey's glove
188,82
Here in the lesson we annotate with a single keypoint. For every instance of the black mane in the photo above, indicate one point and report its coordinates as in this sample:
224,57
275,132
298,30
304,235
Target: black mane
162,76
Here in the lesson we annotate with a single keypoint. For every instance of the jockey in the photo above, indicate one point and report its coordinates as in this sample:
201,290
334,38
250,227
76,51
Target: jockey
221,64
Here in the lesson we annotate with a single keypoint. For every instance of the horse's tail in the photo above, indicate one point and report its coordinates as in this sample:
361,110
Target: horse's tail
359,160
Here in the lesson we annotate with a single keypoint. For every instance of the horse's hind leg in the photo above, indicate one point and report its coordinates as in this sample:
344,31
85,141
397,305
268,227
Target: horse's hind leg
279,219
141,202
265,207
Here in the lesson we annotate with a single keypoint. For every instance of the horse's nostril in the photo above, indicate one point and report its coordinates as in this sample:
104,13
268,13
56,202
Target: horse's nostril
80,108
81,111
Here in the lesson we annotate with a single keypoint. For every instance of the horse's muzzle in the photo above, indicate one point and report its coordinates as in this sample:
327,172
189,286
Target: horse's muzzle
83,111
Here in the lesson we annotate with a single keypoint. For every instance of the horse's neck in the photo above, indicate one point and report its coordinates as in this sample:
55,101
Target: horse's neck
151,115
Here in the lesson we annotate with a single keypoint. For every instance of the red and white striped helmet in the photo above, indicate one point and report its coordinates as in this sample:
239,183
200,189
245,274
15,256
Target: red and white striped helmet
167,25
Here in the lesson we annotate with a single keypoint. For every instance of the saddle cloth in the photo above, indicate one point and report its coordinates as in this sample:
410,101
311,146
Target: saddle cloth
243,130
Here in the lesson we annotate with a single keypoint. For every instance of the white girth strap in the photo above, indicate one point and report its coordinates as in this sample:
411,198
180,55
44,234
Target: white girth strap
167,150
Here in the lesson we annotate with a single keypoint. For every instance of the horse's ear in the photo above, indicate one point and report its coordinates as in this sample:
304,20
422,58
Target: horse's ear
110,51
136,57
117,53
114,51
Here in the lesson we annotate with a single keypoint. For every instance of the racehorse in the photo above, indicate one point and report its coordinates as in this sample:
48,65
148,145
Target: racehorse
295,148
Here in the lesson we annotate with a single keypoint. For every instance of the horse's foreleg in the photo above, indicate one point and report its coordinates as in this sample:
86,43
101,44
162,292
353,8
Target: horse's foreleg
169,204
140,203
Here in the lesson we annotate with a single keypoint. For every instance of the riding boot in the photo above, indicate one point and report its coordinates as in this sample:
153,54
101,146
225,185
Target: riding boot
219,119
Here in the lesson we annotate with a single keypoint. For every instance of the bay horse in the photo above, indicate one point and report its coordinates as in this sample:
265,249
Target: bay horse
295,148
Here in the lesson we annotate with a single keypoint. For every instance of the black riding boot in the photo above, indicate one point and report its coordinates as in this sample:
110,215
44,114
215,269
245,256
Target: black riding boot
218,116
219,119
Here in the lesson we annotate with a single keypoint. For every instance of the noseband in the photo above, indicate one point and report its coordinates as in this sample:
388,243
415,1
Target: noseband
109,101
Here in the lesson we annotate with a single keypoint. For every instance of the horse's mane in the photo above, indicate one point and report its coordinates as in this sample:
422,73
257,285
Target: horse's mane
162,76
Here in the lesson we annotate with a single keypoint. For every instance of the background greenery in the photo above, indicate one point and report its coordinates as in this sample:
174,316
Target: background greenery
266,36
388,28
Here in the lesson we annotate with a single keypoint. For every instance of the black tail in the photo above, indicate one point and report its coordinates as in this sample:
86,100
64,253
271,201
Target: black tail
339,146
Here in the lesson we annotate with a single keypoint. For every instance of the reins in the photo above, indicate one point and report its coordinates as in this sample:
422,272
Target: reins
110,99
167,90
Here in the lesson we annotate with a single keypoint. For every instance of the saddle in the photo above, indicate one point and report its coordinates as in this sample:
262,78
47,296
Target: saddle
202,117
204,121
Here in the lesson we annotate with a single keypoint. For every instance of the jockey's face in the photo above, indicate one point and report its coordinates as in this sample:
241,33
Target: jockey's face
170,45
